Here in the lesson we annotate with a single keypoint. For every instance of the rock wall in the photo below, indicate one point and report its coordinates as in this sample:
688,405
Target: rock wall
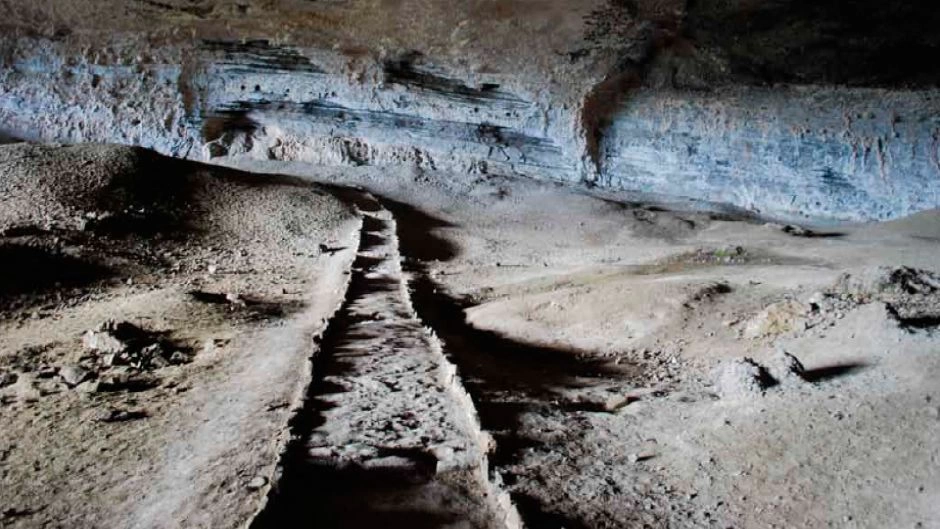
852,154
598,92
258,99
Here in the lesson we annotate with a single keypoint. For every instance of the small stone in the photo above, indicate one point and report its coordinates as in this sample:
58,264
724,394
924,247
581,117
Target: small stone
412,469
46,371
212,269
151,351
615,402
26,390
118,415
7,378
74,375
641,456
89,386
104,342
125,381
158,362
796,231
178,357
322,452
234,299
257,483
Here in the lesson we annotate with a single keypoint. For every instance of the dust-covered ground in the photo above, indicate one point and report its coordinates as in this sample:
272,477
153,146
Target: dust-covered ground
507,353
157,319
651,363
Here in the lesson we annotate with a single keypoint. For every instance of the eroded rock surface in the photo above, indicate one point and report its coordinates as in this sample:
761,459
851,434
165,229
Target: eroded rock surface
651,95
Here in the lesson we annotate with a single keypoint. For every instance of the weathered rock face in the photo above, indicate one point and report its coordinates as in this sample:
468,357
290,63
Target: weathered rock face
647,96
822,152
259,99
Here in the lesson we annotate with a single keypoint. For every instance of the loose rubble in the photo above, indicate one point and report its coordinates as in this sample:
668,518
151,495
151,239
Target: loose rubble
911,297
125,344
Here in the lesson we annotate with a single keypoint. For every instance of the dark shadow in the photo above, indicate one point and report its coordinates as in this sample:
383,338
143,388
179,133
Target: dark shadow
209,297
914,320
131,384
139,224
24,230
495,364
598,407
843,42
247,305
373,224
331,250
822,374
921,323
29,269
322,496
536,516
416,233
799,231
371,240
6,138
698,210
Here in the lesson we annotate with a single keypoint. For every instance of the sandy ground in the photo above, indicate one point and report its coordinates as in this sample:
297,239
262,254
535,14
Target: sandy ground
582,362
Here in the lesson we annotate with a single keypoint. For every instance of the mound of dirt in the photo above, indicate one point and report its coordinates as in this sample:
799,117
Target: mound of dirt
70,187
741,378
744,378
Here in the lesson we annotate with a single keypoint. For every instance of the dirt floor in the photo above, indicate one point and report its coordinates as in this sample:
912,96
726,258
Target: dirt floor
157,320
486,352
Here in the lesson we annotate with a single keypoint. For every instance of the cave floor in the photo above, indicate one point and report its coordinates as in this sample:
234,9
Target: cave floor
360,347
